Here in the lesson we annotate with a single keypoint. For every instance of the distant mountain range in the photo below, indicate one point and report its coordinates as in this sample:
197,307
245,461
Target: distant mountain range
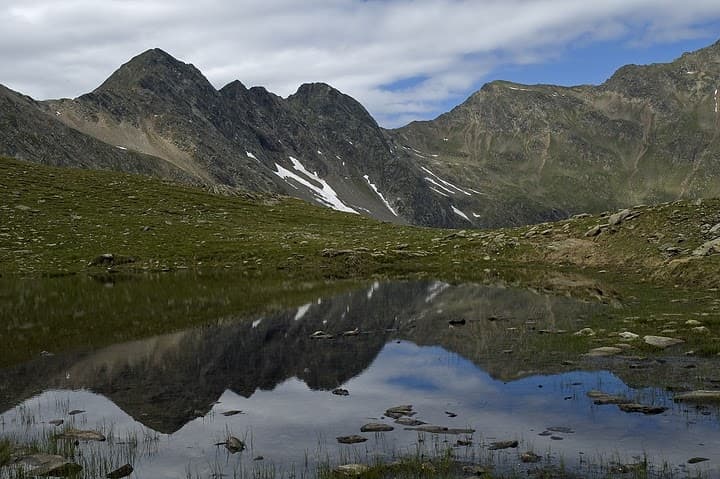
510,154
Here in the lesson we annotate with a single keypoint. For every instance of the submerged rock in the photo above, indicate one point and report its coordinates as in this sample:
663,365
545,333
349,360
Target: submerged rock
695,460
340,392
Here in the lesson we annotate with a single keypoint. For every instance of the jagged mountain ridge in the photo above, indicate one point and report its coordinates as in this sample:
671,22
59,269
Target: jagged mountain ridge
317,145
510,154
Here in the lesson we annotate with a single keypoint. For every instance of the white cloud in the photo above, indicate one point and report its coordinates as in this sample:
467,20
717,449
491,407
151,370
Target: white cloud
53,49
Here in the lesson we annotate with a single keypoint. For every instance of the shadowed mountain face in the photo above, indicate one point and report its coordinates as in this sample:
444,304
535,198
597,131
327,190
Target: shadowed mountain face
510,154
168,380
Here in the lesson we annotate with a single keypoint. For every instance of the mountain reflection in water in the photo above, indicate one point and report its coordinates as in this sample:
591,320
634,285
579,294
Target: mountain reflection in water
179,385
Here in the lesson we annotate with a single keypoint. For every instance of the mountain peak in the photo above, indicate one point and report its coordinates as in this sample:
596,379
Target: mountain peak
156,71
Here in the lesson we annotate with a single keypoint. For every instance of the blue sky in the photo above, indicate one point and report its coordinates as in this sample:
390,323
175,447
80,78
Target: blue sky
402,59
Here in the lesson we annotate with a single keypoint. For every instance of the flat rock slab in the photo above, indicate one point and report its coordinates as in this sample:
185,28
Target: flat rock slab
604,351
494,446
80,435
699,396
354,439
376,427
440,430
662,341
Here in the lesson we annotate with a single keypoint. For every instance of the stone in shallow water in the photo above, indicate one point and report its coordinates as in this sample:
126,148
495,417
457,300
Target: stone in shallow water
341,392
695,460
502,445
529,457
400,411
120,472
376,427
662,341
234,445
353,439
642,408
408,421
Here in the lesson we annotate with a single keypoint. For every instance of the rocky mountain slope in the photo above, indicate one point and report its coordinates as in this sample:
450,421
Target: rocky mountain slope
648,134
509,155
318,144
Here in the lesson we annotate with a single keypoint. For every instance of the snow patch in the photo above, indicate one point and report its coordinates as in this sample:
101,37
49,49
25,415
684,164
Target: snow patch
250,155
320,152
439,192
302,310
324,193
58,113
120,147
459,213
476,215
446,139
444,182
256,323
716,101
518,89
377,192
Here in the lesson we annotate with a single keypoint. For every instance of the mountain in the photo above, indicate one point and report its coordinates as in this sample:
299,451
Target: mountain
510,154
318,144
648,134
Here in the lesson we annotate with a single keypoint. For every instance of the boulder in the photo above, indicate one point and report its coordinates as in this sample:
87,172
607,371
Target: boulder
708,248
618,217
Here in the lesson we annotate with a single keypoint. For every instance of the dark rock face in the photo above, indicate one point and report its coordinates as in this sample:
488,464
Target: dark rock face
510,154
165,115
